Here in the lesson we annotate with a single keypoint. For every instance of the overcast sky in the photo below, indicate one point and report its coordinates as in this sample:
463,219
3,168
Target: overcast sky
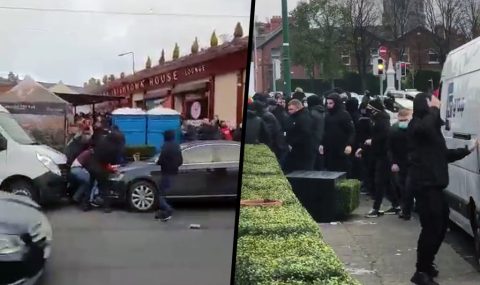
267,8
72,47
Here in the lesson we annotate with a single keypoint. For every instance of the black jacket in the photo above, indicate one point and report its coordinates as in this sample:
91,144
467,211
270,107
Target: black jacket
318,116
428,152
282,117
171,156
256,131
74,148
300,134
339,129
398,145
380,131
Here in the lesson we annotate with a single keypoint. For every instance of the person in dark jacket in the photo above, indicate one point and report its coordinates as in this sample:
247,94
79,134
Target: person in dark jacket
277,108
338,137
429,158
255,131
300,138
278,144
170,160
379,152
78,144
105,153
317,111
398,156
352,107
364,132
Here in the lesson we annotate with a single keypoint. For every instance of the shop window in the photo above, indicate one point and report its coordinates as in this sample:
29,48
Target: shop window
433,57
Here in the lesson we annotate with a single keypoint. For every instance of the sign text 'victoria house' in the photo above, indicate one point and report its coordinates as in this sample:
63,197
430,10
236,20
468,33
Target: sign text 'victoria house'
159,80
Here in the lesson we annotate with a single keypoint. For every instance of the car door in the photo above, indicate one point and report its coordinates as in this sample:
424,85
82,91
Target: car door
223,175
192,177
3,158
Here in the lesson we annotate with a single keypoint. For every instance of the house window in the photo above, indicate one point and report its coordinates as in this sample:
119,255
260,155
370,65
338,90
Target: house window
433,57
346,60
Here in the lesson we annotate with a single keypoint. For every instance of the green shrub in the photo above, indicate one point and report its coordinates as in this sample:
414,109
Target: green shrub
288,260
273,187
281,245
145,151
348,197
269,221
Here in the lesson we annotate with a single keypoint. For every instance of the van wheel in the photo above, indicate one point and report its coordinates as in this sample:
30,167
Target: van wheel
24,188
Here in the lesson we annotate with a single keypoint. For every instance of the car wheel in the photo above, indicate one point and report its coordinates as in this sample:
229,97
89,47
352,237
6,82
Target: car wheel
142,196
24,188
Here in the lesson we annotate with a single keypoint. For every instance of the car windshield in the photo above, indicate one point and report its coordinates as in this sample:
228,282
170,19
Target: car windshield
15,131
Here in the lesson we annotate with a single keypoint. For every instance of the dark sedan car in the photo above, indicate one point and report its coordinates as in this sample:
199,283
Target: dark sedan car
25,240
209,170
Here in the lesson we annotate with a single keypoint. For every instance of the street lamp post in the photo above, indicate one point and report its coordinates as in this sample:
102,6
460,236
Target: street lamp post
133,59
286,50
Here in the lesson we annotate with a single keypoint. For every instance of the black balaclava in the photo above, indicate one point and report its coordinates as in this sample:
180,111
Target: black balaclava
314,100
376,106
420,105
352,105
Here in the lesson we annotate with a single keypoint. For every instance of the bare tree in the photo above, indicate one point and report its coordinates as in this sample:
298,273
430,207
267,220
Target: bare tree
443,20
359,16
470,19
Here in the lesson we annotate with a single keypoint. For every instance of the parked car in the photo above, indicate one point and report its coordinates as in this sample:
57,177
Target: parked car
209,170
25,240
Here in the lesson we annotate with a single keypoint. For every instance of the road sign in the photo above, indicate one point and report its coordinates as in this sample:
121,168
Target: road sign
382,51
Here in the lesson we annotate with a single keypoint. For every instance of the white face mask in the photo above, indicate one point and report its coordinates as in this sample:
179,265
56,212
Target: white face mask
403,125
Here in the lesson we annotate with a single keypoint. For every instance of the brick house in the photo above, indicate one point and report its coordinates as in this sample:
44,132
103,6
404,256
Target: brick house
418,46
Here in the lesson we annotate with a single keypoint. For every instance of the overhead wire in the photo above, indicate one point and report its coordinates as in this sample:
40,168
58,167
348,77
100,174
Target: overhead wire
150,13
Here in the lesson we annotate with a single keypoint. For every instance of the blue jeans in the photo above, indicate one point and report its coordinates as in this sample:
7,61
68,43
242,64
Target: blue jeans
164,187
82,177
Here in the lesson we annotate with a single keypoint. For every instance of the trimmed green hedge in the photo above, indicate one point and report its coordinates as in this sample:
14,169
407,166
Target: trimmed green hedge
293,219
281,245
267,187
348,198
288,260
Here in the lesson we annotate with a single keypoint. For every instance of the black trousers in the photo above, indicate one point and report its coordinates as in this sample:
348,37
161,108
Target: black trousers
368,173
100,174
433,211
299,160
383,183
408,194
337,161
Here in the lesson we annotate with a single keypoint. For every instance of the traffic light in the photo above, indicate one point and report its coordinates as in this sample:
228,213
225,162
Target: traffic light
380,66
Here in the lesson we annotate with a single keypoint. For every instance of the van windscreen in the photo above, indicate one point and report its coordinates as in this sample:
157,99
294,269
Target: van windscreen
14,130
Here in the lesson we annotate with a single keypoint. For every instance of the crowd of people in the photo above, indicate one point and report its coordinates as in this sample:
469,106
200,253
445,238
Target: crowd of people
407,162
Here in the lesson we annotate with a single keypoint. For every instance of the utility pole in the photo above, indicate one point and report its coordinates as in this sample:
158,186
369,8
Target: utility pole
286,51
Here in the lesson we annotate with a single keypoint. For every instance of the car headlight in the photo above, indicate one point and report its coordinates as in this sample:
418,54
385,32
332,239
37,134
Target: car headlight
49,164
10,244
116,177
46,229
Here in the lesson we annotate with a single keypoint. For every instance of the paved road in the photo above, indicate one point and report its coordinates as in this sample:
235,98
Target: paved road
382,251
125,248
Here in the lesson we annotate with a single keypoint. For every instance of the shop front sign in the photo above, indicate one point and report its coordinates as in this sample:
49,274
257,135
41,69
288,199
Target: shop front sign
160,80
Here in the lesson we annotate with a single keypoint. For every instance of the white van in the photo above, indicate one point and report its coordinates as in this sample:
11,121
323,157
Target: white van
27,168
460,97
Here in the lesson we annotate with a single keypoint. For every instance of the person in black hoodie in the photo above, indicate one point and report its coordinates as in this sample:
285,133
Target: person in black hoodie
279,111
338,137
255,129
170,160
317,111
429,158
379,148
364,132
277,138
300,138
352,107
